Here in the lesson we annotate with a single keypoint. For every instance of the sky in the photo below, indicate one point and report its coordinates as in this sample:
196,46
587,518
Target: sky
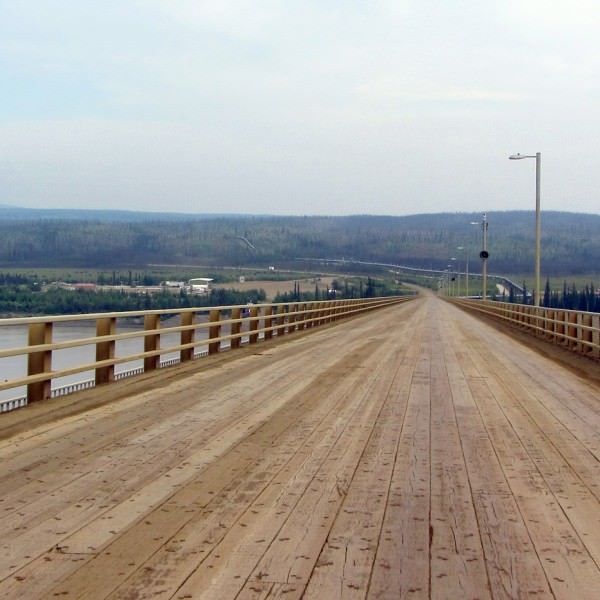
391,107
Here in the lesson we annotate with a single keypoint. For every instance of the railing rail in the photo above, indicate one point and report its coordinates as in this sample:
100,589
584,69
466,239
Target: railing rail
201,331
577,330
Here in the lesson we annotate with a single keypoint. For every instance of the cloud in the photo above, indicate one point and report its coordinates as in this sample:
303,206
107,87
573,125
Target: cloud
329,106
432,91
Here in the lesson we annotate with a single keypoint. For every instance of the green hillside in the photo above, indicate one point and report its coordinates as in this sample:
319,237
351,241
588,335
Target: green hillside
113,239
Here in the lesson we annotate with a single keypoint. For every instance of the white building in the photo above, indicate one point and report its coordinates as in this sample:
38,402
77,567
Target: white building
199,285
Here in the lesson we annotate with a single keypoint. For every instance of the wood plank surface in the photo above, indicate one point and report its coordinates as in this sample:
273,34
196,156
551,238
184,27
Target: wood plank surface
414,452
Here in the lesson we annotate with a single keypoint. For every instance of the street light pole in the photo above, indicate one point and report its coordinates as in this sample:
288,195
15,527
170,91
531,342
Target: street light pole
473,223
455,286
467,275
538,225
465,249
484,255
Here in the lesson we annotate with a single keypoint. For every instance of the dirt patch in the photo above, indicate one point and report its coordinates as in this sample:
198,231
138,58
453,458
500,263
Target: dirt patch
272,288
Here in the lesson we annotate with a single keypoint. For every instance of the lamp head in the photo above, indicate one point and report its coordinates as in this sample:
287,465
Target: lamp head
521,156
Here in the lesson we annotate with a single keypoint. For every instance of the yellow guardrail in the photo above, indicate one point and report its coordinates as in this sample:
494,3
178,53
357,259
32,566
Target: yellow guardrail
576,330
205,329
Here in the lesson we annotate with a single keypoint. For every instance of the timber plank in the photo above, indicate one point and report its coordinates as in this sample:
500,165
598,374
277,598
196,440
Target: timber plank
356,531
457,558
210,527
512,565
353,507
538,442
201,493
307,490
115,515
534,501
272,591
401,567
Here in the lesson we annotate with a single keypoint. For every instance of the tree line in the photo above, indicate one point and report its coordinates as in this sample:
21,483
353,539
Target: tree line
570,298
23,300
347,290
22,295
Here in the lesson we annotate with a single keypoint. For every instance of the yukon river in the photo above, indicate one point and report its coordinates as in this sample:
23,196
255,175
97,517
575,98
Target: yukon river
16,366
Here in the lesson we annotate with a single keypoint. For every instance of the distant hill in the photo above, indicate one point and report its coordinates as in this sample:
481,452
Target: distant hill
113,239
20,213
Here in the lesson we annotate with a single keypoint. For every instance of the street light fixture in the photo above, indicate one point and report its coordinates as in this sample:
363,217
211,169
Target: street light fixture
538,226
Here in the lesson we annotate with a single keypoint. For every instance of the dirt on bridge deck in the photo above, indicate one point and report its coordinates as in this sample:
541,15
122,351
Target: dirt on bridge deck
414,452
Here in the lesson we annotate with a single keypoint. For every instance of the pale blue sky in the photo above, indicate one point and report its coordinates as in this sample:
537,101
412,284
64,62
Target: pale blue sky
289,107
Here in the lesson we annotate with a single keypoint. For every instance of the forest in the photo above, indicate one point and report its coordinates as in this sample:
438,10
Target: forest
54,238
22,295
23,300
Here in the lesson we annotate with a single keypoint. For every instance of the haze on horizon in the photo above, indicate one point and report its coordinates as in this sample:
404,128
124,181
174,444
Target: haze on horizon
271,107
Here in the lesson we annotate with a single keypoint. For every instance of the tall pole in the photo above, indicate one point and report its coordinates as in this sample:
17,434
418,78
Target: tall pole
538,226
467,274
462,249
455,286
484,254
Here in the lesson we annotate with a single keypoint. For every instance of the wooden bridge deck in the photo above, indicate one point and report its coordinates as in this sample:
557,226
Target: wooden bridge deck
411,453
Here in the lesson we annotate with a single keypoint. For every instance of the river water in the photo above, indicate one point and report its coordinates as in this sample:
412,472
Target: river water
16,366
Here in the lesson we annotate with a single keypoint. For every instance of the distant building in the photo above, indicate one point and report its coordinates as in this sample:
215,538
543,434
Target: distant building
198,285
